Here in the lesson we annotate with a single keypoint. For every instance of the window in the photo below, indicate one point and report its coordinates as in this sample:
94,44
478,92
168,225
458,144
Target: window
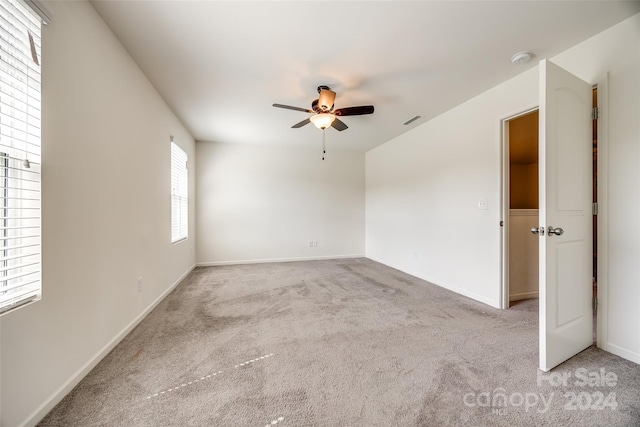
20,245
179,194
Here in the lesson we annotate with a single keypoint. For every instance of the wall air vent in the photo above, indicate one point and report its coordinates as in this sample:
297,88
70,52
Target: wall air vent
411,120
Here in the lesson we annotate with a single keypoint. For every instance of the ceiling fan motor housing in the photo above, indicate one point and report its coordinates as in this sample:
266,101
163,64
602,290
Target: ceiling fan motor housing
315,107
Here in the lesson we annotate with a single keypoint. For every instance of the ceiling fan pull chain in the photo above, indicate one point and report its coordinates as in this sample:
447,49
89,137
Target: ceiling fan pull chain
323,150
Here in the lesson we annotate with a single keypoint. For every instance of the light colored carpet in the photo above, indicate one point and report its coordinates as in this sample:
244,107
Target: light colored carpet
339,343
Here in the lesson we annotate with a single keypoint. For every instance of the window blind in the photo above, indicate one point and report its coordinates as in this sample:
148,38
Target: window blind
20,243
179,194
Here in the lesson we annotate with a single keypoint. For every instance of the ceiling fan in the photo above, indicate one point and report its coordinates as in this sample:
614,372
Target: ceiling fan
323,112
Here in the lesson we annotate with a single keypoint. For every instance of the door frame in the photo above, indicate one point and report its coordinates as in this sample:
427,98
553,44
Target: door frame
602,83
504,201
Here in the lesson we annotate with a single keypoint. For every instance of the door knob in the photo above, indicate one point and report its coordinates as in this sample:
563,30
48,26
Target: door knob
558,231
538,230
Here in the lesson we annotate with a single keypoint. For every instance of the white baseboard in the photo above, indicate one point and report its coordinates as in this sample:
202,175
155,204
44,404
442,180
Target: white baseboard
622,352
63,390
462,292
264,261
523,295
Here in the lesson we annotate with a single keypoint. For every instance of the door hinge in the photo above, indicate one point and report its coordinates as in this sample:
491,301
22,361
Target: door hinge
594,208
595,113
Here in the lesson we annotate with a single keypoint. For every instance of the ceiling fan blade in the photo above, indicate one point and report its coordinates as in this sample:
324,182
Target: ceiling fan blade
302,123
289,107
339,125
326,98
354,111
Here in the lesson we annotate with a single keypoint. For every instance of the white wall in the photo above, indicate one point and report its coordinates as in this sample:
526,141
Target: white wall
106,213
423,190
523,254
423,187
256,203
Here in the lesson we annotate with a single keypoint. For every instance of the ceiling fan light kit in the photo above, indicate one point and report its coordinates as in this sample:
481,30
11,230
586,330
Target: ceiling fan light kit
325,98
322,120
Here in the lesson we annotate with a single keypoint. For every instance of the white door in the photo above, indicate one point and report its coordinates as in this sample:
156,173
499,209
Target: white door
565,161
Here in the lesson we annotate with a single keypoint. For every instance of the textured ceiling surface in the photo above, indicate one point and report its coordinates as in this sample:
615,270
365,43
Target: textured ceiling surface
220,65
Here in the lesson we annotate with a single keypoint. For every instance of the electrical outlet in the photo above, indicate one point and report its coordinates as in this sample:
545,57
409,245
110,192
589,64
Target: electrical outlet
310,243
140,284
483,205
315,243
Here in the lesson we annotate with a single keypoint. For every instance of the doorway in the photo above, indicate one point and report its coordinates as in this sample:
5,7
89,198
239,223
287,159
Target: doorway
522,135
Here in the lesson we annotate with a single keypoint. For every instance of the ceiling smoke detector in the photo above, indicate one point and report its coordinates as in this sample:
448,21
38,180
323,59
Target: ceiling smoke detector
521,57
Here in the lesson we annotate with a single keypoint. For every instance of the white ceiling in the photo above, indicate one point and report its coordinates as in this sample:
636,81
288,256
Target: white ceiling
221,64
